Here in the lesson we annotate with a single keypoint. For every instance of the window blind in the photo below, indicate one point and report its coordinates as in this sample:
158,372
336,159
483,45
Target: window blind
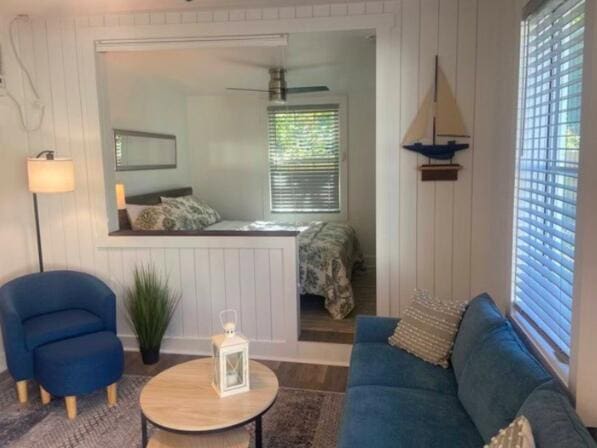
547,168
304,158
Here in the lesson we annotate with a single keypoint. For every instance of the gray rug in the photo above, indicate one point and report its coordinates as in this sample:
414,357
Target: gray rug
299,418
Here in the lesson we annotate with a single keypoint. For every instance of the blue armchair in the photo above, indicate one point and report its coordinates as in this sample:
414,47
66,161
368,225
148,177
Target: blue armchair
39,309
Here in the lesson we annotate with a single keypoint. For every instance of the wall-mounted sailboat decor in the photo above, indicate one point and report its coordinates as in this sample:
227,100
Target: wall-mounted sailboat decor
438,117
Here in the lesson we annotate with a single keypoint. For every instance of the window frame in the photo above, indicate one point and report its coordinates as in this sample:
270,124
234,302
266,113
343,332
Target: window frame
342,215
556,359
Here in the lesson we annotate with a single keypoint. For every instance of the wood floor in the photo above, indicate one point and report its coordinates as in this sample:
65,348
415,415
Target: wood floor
317,324
290,374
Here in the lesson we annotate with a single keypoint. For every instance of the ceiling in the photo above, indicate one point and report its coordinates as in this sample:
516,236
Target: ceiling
342,60
83,7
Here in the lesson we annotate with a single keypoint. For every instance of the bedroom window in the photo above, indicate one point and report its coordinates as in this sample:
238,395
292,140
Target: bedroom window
546,175
304,158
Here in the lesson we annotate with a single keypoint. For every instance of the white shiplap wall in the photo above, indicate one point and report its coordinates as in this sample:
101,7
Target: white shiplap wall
254,275
438,236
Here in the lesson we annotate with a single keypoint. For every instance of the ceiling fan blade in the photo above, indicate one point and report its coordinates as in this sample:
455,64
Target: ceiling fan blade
246,90
307,89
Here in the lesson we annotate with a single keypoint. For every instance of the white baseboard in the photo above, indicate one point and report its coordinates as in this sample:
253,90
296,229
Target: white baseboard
301,352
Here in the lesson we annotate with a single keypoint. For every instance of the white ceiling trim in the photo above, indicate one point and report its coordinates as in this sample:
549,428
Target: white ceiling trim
177,43
250,8
238,15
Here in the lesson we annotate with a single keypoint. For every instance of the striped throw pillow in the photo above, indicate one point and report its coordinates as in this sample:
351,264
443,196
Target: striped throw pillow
428,328
517,435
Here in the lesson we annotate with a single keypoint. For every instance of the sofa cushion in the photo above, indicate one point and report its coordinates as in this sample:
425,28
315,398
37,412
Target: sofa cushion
555,424
481,317
379,364
380,416
498,377
50,327
374,328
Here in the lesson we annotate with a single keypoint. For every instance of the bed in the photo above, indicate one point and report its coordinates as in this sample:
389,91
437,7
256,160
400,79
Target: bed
329,252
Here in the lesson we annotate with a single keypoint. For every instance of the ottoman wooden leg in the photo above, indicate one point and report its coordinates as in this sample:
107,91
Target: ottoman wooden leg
45,395
112,394
71,407
22,391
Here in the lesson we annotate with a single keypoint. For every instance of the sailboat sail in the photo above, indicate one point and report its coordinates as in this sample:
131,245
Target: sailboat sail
421,127
449,121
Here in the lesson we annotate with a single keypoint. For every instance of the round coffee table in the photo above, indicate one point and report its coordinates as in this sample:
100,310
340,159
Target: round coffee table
182,401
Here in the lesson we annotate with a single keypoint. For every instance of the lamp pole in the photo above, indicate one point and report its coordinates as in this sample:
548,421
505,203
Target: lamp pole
37,231
49,156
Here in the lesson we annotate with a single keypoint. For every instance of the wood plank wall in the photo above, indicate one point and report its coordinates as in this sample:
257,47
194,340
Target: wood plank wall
442,236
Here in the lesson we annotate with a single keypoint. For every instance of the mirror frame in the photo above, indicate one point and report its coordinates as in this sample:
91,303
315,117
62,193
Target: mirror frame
125,132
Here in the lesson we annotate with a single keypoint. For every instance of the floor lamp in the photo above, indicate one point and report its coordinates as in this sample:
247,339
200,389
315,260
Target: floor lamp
48,174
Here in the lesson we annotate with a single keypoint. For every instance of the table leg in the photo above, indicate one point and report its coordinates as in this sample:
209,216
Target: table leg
258,433
143,431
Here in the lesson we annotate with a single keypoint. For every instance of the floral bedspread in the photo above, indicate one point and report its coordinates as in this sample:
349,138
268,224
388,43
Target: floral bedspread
328,252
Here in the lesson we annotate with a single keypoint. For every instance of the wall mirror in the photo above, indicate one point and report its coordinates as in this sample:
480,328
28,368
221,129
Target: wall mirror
136,150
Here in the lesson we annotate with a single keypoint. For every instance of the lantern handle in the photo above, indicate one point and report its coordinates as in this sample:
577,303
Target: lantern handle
223,313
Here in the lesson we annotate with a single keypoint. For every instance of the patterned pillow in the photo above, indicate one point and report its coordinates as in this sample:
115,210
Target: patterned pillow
193,208
517,435
155,217
428,328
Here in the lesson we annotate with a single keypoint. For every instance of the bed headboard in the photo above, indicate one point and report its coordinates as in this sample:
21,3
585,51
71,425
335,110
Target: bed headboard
149,199
154,198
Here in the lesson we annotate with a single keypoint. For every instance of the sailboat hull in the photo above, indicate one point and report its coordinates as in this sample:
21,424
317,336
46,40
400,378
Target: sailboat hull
437,152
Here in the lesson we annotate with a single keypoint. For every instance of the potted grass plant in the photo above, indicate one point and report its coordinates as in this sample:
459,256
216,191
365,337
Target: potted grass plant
150,304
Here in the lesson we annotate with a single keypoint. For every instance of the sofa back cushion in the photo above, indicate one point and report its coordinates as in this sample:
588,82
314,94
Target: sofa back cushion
481,317
555,423
497,378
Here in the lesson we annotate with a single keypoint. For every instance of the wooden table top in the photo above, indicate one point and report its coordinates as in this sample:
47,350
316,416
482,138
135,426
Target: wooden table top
182,398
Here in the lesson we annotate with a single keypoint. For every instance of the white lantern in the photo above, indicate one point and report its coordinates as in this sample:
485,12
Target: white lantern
231,359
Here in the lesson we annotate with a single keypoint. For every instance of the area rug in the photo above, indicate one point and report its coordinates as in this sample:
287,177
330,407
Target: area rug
299,418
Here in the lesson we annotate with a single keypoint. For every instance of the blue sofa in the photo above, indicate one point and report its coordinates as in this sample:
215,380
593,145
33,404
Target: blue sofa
396,400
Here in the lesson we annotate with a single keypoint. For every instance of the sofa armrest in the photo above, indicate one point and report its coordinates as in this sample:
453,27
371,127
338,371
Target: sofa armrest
96,297
18,358
374,329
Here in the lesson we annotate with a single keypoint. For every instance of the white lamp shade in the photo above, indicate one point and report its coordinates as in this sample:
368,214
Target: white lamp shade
120,197
50,175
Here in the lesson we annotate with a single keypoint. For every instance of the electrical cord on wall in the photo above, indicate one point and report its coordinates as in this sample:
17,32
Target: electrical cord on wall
37,101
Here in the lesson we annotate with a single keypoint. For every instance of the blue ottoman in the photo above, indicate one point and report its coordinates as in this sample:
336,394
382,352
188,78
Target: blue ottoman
78,366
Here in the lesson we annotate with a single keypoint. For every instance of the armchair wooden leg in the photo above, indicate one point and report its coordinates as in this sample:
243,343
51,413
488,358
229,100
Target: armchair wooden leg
22,391
45,395
71,407
112,394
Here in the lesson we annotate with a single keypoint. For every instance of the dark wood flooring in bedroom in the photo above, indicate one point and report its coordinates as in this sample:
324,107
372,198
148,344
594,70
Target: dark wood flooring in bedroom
290,374
318,326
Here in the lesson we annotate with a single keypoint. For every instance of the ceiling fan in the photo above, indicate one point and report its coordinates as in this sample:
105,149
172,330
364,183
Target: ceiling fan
278,89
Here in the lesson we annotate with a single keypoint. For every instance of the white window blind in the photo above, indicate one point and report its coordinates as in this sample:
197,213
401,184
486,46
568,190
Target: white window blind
547,168
304,158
